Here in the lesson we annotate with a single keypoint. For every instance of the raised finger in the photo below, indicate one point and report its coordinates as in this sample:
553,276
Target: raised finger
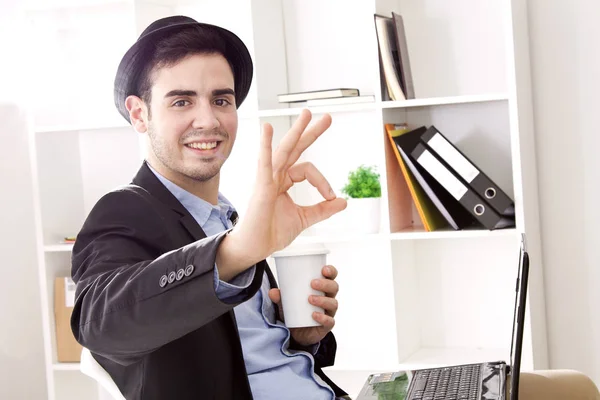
327,321
329,304
329,271
290,140
327,286
310,135
307,171
265,166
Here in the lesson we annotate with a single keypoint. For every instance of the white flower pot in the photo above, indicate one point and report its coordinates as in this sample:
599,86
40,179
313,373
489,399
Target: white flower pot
363,215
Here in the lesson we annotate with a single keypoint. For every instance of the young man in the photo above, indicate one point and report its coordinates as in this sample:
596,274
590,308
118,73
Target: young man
174,297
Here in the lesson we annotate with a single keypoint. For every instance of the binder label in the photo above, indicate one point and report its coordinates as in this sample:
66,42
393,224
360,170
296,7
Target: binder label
453,157
442,175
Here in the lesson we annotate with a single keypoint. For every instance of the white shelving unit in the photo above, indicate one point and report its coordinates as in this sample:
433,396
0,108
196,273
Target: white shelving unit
408,298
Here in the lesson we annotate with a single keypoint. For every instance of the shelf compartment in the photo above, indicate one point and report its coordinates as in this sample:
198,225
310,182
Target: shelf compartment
446,302
480,130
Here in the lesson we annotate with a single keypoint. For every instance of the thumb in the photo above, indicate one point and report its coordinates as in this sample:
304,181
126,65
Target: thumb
323,210
275,296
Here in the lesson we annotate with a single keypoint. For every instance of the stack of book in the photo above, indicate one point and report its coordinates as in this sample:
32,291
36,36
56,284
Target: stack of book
326,97
447,188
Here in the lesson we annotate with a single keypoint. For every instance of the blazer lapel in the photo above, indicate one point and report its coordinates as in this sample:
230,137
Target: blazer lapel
146,179
190,224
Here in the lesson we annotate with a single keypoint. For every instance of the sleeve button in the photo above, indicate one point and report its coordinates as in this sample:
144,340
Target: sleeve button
163,281
189,270
180,274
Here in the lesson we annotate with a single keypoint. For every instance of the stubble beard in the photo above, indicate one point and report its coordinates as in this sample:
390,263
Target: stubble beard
202,171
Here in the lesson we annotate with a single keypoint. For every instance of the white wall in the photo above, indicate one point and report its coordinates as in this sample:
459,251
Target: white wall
565,46
21,349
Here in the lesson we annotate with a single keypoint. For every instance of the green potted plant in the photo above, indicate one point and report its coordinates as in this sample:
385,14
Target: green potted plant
363,193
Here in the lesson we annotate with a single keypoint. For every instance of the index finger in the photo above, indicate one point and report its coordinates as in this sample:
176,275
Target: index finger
286,147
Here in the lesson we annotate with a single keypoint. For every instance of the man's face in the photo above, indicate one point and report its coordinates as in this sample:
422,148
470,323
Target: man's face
194,120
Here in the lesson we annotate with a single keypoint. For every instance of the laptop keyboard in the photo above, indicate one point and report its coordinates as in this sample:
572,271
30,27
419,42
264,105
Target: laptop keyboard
451,383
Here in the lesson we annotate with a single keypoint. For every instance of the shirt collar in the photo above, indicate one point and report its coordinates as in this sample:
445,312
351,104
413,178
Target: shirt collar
198,207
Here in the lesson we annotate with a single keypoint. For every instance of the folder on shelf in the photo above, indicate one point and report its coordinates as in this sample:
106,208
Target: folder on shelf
470,200
471,174
401,213
456,216
423,185
399,194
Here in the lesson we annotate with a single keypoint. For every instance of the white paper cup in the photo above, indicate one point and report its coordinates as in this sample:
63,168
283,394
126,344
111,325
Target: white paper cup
296,268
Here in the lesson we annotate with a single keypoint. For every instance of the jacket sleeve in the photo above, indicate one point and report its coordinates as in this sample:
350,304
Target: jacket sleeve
130,298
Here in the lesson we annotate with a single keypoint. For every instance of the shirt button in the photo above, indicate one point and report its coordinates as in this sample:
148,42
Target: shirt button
180,274
189,270
163,281
172,276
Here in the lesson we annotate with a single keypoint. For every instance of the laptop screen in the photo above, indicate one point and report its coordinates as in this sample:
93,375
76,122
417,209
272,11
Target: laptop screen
516,344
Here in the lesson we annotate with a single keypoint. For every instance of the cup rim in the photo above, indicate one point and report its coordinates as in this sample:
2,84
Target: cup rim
300,251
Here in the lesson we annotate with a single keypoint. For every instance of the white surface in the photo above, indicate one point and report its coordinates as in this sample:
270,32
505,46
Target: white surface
21,339
300,250
58,247
101,173
91,368
364,214
66,367
295,274
566,83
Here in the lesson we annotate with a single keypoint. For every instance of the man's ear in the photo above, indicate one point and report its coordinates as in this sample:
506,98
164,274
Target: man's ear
138,113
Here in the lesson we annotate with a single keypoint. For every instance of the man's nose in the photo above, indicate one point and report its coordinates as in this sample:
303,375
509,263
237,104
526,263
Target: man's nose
205,117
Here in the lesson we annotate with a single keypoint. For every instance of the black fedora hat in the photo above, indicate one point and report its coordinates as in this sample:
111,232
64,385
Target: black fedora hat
136,58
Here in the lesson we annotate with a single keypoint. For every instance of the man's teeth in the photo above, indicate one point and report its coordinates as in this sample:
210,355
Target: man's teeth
203,146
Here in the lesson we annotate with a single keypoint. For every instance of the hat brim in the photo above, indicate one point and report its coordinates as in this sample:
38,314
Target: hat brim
136,58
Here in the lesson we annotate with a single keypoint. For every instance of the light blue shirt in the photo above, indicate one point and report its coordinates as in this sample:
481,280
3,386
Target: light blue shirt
274,370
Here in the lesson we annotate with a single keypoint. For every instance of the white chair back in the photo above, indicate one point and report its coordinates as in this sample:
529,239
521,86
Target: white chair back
91,368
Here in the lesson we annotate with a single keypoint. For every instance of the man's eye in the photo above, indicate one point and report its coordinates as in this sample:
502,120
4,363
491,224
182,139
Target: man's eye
180,103
222,102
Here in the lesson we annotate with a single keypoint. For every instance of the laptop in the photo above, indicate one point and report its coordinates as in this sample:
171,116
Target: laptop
479,381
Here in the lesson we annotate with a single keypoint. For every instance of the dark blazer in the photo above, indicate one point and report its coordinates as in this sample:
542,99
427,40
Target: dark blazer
145,304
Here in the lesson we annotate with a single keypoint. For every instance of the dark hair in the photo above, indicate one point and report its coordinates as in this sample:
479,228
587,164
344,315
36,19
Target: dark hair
172,49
